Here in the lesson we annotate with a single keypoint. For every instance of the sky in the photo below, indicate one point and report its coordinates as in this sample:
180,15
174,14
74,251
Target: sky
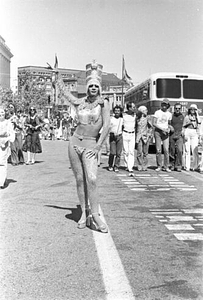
153,35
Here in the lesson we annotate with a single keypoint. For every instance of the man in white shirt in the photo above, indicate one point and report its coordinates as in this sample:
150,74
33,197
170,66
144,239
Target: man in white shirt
129,137
162,120
116,139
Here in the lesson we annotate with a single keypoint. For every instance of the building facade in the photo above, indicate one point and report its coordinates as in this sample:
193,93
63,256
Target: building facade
74,80
5,60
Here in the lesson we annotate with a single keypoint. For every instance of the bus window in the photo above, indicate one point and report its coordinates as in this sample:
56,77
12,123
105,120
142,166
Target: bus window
192,89
168,88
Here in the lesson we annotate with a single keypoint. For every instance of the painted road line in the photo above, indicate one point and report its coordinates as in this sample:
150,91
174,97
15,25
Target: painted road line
175,183
167,212
170,177
164,209
136,183
161,185
201,225
138,189
179,227
163,189
121,175
193,210
189,236
188,189
180,218
115,280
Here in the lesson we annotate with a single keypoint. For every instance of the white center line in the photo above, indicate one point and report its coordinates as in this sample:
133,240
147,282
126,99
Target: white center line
115,280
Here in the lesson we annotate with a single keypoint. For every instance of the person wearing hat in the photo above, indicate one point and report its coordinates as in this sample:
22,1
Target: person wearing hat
191,125
143,136
176,139
93,113
161,122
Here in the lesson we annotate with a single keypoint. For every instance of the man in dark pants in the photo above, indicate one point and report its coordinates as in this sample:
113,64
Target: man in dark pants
116,139
176,139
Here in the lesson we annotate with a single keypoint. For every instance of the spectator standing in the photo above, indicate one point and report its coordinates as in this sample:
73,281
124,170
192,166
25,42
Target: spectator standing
201,143
7,135
16,146
32,144
176,139
162,121
143,135
115,139
191,125
129,119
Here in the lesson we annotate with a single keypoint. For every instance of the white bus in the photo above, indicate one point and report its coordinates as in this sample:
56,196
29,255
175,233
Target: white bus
177,87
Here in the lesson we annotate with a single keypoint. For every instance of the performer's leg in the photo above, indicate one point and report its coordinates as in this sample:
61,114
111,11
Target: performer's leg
90,168
77,167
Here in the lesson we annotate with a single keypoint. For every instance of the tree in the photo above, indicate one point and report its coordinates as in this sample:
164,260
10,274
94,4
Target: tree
33,92
6,96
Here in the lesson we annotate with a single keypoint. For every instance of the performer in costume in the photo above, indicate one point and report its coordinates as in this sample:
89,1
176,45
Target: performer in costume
93,113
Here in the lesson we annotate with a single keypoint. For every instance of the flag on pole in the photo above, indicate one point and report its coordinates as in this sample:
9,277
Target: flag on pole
125,77
56,62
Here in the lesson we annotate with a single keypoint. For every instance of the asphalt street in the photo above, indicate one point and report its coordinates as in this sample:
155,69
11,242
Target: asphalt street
153,249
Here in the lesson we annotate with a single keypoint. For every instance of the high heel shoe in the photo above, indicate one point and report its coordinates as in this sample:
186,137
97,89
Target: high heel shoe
81,224
87,222
103,227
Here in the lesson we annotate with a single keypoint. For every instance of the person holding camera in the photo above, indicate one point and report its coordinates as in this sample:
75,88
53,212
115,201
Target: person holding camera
191,125
115,139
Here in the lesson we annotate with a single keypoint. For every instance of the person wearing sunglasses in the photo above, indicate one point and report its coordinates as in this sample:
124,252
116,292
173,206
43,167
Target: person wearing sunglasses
176,139
32,144
93,113
191,126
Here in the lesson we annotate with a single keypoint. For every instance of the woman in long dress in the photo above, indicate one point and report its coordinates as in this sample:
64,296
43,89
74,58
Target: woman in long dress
7,135
93,113
32,144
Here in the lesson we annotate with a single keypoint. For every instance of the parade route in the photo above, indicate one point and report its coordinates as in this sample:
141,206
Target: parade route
153,249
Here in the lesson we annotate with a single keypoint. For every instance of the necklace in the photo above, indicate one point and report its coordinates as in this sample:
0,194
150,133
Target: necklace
86,104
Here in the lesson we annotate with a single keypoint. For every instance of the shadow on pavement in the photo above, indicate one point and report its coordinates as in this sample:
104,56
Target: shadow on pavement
75,212
8,181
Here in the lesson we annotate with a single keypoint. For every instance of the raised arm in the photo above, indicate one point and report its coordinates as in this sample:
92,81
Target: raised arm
64,92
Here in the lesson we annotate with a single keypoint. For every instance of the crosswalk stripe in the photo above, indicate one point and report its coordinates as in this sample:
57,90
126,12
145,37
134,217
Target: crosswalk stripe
189,236
181,220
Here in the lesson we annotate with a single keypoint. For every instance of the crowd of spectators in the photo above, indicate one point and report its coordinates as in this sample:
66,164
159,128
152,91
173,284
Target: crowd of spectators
178,138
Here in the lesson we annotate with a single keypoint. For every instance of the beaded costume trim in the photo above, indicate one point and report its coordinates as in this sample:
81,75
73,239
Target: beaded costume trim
85,104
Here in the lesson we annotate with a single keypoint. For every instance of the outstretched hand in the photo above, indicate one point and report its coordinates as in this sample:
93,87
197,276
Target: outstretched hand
54,73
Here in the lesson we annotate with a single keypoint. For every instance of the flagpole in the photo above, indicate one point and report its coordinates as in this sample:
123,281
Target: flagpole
122,102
